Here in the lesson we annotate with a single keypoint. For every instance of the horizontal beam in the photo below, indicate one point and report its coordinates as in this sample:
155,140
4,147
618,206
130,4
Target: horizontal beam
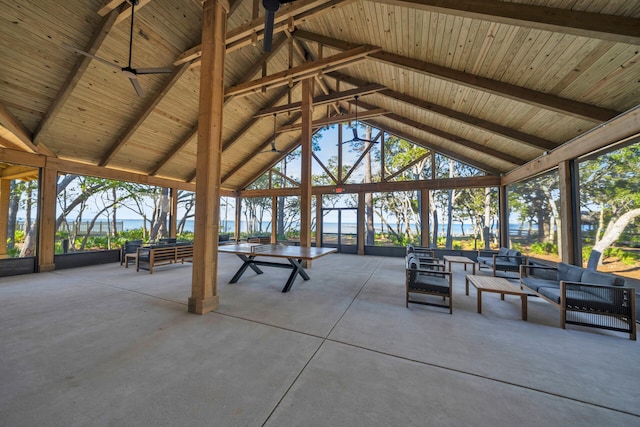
322,100
374,112
305,70
374,187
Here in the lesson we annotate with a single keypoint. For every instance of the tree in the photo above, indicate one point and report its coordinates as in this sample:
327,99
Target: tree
609,191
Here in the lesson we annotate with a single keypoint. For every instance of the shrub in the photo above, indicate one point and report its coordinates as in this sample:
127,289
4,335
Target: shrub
543,248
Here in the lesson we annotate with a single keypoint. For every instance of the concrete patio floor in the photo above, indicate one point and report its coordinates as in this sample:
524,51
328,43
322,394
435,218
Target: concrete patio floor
106,346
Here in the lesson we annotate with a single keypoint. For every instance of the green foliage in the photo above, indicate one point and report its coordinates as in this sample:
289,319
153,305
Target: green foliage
13,252
543,248
19,236
626,257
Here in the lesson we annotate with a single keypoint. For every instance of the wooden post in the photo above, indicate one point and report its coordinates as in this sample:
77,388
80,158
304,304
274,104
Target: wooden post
204,297
5,192
238,218
305,167
173,213
274,219
424,217
567,236
361,230
47,219
318,220
503,214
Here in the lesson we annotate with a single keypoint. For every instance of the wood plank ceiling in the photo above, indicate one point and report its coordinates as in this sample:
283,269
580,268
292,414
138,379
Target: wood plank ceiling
491,83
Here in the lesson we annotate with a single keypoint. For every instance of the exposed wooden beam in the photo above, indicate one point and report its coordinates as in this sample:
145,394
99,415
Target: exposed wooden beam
622,128
476,122
18,172
408,166
619,29
324,168
76,74
357,162
426,144
540,99
142,116
374,112
238,136
175,150
261,147
376,187
303,71
322,100
22,135
253,30
452,138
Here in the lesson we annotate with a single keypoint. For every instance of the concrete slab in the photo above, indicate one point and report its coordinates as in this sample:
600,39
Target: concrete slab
349,386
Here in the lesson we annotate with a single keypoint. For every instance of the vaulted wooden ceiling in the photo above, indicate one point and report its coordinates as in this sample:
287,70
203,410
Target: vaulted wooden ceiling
491,83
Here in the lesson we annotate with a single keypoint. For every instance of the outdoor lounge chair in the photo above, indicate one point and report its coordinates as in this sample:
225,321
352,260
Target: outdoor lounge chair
427,279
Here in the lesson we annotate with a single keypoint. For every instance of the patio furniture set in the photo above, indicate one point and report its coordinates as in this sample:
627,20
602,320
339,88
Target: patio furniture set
584,297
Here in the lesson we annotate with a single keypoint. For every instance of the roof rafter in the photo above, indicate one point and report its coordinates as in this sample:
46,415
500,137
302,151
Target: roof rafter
146,111
452,138
76,74
614,28
540,99
426,144
485,125
252,31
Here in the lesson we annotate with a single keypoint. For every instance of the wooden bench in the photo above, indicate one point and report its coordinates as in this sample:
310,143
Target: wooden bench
148,257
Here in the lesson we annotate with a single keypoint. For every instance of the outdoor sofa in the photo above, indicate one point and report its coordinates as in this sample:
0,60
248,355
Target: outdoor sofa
585,297
150,256
507,260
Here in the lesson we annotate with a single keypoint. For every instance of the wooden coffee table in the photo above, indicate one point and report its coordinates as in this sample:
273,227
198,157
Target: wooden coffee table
496,285
460,259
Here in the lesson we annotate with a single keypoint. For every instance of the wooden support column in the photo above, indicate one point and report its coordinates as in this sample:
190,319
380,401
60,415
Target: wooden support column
568,211
5,192
173,213
47,219
361,223
318,220
503,214
274,219
204,297
305,167
238,218
424,217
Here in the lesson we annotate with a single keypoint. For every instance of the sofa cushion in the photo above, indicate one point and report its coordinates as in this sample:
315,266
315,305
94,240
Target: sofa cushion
411,261
570,273
581,300
591,277
535,283
485,260
514,256
503,251
430,283
544,273
596,278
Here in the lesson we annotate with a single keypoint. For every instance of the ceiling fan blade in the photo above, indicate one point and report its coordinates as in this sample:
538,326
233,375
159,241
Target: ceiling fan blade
269,18
88,55
136,86
355,134
153,70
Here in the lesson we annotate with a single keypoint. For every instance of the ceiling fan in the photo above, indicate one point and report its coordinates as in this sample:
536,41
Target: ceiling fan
128,71
356,138
270,9
273,141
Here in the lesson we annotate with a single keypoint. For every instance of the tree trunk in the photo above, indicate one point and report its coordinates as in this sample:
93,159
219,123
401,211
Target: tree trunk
14,203
114,222
160,225
614,230
29,246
